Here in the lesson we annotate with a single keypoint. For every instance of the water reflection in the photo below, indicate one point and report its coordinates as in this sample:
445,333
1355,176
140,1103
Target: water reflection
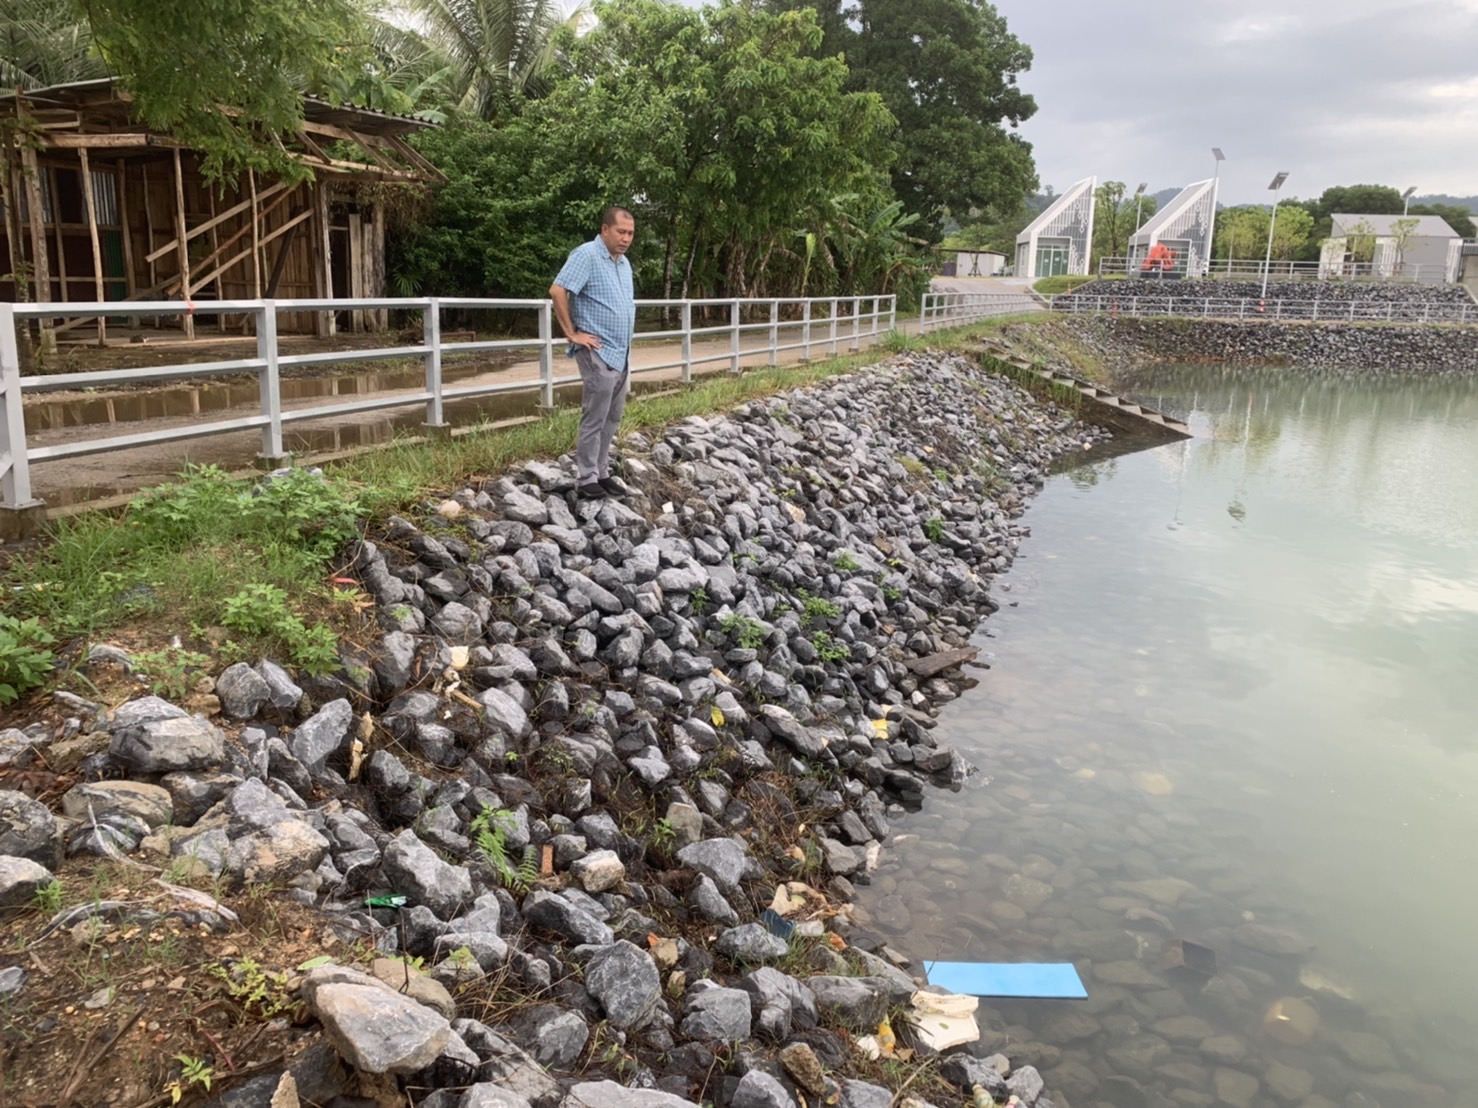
1237,690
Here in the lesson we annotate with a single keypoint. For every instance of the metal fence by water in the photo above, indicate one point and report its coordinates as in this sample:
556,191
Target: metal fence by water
1315,310
811,326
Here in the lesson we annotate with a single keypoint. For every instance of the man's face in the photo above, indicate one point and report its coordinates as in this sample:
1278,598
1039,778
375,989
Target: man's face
617,236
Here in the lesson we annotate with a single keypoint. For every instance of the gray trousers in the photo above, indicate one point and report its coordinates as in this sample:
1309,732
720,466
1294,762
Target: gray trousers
601,405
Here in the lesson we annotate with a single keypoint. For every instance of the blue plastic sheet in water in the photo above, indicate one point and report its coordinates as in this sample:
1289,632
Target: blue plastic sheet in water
1040,980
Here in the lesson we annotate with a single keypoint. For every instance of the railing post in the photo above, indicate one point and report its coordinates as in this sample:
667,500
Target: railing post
15,477
856,324
806,330
685,314
924,312
734,337
893,312
431,339
1389,309
546,355
1352,311
269,388
1316,309
774,332
832,328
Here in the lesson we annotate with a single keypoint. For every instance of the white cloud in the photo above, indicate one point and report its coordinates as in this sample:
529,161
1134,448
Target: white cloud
1335,92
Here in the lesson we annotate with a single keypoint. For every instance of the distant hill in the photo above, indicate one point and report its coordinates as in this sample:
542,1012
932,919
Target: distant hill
1469,202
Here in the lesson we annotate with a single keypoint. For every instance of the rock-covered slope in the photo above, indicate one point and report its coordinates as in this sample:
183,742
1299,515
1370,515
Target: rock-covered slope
589,743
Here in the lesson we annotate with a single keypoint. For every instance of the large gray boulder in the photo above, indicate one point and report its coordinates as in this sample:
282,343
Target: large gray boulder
623,980
242,691
724,860
322,735
413,868
374,1028
20,880
28,830
165,745
609,1094
716,1014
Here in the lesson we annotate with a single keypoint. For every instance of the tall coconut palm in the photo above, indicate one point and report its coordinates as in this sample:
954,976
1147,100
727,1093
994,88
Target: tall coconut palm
498,49
43,43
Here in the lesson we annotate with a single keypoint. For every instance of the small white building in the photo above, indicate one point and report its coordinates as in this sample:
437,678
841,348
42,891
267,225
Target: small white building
1060,240
1184,228
1419,247
977,263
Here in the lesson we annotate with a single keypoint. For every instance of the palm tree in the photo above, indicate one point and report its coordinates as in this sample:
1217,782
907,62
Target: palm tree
482,53
42,43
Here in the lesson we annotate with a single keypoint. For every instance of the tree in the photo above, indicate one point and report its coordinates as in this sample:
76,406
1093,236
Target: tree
731,141
491,51
947,70
227,77
1243,232
1116,217
1459,219
44,43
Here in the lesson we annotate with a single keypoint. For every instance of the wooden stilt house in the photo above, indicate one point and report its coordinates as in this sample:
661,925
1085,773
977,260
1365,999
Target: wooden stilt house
108,210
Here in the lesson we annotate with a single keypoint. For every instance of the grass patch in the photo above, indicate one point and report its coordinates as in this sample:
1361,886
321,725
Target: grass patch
1065,282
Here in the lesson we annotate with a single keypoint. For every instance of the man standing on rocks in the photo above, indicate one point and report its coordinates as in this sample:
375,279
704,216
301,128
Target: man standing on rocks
595,305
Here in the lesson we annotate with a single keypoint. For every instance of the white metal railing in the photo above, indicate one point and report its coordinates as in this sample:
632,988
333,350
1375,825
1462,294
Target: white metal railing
1252,269
1317,310
824,325
954,309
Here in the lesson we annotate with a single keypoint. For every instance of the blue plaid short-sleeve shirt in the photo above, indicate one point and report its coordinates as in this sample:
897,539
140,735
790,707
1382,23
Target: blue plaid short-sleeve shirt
603,299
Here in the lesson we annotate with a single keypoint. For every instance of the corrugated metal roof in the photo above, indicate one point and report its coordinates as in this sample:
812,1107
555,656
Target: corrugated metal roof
1427,226
72,95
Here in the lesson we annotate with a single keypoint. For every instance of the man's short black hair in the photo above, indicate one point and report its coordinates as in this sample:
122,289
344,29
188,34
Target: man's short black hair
608,219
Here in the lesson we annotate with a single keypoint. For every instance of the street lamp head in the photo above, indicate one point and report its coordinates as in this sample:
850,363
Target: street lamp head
1278,182
1140,190
1217,154
1408,193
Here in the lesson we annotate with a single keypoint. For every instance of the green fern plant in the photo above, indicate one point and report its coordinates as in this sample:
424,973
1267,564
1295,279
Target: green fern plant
490,833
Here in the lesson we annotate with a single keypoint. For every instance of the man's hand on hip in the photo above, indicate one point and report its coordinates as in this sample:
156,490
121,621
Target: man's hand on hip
589,342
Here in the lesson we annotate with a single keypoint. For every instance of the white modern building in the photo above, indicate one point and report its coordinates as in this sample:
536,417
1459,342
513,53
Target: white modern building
1060,240
977,263
1185,228
1421,247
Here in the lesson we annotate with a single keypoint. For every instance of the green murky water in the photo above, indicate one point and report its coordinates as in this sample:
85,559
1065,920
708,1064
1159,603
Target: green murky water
1249,663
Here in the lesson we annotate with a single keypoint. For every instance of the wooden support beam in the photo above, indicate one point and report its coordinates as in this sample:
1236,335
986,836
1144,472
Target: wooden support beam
215,248
125,228
40,265
56,230
240,233
181,237
411,154
129,140
214,221
201,282
89,201
256,237
325,269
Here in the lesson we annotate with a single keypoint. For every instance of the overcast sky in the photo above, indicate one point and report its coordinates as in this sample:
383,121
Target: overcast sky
1336,92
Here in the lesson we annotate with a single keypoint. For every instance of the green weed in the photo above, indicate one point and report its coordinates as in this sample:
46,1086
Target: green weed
24,659
845,562
489,832
828,649
934,528
748,633
170,672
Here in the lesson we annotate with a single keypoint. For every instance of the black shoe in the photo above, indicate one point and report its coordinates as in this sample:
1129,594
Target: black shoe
613,487
592,490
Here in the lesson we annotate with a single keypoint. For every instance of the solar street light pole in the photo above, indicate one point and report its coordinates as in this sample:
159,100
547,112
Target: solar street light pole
1272,222
1406,201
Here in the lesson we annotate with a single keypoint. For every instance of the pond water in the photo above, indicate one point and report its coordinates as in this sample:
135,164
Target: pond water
1233,699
